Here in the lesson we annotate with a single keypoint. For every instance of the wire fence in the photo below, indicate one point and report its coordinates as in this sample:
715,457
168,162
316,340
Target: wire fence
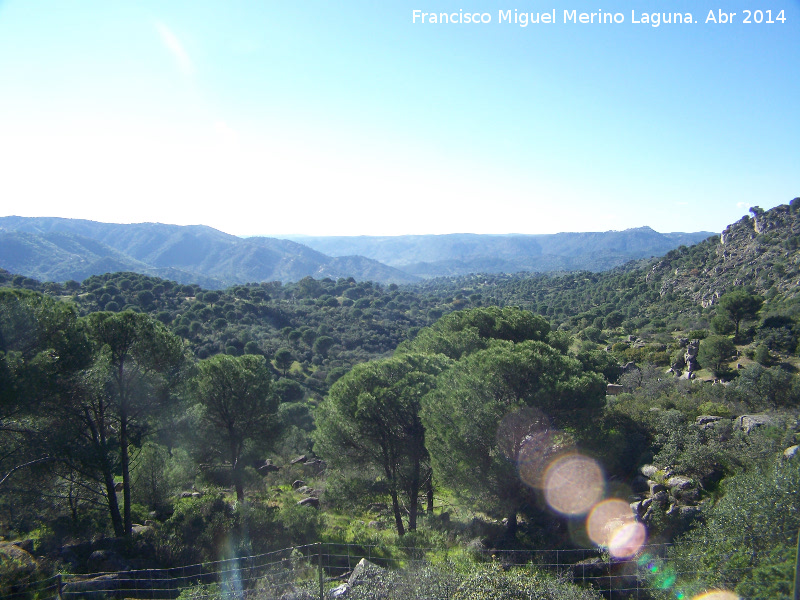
312,571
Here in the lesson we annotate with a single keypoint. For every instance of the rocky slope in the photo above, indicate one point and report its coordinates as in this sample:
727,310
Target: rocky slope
761,251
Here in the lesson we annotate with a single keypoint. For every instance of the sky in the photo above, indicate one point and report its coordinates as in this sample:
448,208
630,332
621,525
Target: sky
354,118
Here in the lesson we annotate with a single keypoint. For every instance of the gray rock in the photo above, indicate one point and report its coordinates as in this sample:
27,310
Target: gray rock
613,389
297,484
364,571
689,512
791,452
137,530
90,587
340,592
106,561
268,467
27,545
310,501
16,561
661,498
648,471
656,487
590,569
680,482
707,421
300,459
748,423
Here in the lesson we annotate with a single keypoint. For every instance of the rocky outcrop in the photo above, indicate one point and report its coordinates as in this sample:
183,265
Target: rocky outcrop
748,423
746,254
666,492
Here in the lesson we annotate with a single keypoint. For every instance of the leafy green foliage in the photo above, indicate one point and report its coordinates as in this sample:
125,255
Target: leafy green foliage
714,354
235,393
471,399
372,417
754,526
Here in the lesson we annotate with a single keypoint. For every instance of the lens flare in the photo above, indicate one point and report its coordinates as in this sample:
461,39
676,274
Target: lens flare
605,518
537,450
627,540
516,427
717,595
573,484
611,525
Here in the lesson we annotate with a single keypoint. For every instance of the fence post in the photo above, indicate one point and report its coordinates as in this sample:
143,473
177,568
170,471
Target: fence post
797,570
321,586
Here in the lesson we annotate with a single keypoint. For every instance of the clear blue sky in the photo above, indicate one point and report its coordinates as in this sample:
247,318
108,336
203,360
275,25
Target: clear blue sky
345,118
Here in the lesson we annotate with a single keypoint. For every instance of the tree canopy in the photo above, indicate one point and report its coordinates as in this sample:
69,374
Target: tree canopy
235,393
372,417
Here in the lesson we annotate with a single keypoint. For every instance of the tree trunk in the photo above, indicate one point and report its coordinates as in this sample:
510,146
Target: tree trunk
236,473
511,527
126,475
430,493
412,510
113,505
398,520
237,483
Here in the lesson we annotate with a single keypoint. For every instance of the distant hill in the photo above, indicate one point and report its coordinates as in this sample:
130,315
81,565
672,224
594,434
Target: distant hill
461,253
55,249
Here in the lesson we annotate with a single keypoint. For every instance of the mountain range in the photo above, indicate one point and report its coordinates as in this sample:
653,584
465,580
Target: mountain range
462,253
58,249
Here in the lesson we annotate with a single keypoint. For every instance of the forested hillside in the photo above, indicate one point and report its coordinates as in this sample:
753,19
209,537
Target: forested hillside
460,253
60,249
146,423
55,249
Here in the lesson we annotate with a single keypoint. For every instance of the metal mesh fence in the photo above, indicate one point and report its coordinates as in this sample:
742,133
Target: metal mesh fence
310,571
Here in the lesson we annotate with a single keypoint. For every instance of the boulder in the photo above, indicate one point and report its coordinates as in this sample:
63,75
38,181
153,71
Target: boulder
680,482
589,569
340,592
137,530
612,389
364,571
106,561
310,501
26,545
707,421
267,467
300,459
748,423
297,484
655,487
661,498
17,562
791,452
90,587
648,471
